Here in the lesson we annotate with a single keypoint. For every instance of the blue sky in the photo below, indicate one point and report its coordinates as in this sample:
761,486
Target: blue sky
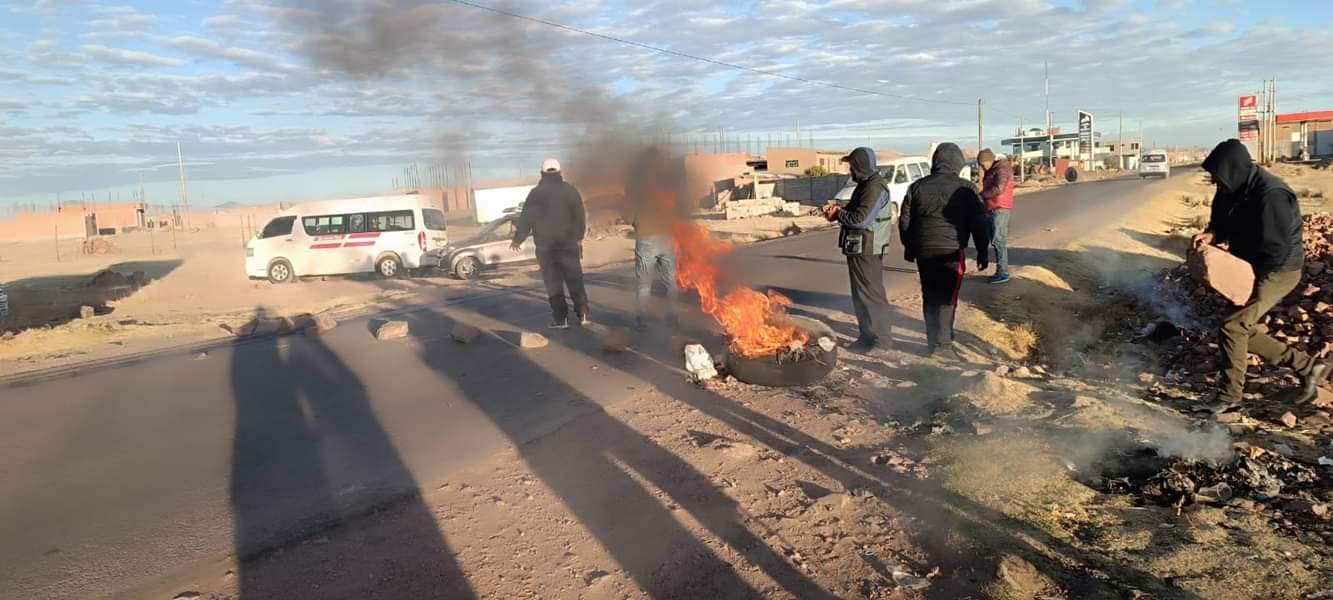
294,99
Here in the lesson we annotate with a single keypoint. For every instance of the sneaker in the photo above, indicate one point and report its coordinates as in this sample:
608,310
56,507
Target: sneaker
559,324
999,278
1310,383
584,321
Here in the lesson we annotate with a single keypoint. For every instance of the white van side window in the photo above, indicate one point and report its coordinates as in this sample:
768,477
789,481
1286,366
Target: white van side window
325,225
356,223
278,227
398,220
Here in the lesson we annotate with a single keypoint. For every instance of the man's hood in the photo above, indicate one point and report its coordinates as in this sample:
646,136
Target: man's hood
551,178
948,159
861,162
1230,165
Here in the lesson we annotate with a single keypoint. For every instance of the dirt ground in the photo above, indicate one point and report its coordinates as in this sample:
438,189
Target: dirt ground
896,477
195,289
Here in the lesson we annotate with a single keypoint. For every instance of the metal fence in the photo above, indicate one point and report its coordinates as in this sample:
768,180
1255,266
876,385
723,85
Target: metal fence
810,190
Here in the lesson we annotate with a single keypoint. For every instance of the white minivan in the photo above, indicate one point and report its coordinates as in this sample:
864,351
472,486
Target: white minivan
900,173
1154,163
384,234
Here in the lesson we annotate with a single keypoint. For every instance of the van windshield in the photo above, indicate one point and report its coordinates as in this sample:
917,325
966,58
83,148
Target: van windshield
434,219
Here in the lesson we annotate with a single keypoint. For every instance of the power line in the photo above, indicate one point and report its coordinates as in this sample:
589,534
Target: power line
704,59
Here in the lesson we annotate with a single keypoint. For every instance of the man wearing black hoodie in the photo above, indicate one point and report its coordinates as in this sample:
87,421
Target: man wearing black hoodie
941,212
1259,218
867,227
553,214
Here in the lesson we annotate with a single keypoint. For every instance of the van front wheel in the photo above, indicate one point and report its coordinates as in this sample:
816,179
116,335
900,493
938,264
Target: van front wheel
389,267
280,272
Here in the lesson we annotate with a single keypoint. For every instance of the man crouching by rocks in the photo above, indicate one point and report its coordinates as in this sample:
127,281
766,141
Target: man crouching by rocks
1259,218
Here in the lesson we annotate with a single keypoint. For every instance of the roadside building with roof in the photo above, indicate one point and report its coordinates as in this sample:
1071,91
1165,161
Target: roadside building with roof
1311,131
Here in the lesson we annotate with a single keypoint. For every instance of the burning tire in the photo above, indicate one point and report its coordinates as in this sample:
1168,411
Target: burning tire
776,370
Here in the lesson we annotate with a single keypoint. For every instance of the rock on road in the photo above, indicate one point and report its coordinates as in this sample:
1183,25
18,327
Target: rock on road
120,474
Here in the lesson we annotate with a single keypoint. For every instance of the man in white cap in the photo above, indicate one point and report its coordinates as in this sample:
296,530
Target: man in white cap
553,214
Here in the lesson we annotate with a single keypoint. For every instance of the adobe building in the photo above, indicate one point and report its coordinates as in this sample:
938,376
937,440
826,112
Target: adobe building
795,161
1311,131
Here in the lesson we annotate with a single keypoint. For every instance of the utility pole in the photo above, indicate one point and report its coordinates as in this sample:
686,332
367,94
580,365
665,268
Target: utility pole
185,198
979,130
1050,137
1022,151
1120,145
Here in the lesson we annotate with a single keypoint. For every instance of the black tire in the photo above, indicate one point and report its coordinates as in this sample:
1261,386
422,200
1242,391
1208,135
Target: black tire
280,271
767,371
467,267
389,266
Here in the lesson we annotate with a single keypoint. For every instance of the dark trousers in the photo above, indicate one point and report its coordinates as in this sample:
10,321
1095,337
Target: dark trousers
562,268
1242,335
866,274
941,280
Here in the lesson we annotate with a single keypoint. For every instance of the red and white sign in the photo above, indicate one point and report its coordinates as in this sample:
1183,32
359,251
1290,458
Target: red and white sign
1248,119
1249,108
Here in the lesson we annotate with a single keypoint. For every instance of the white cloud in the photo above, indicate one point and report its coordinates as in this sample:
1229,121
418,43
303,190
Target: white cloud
124,57
206,48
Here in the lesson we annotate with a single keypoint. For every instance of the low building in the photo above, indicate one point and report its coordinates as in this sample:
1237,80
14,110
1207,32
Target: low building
1309,131
1036,145
795,161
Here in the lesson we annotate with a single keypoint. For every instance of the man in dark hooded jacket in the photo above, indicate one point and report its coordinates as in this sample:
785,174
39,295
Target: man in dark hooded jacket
1259,218
941,212
866,231
553,214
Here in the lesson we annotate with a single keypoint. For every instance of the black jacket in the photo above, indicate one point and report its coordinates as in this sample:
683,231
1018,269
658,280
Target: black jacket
865,213
1254,211
553,214
942,210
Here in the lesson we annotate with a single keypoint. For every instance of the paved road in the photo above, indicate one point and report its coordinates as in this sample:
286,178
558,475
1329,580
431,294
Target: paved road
117,475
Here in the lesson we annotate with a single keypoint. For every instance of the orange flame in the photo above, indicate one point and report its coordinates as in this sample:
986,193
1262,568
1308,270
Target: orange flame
754,321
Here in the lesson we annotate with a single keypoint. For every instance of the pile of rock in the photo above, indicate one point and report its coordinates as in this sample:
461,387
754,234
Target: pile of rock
1304,319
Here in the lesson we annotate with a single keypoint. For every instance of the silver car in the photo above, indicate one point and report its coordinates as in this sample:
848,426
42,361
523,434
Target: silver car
488,249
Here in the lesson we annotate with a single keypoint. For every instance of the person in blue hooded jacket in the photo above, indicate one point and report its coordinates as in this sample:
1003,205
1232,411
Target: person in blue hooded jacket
867,225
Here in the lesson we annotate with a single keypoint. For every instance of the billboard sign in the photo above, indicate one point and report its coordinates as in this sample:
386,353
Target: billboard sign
1248,119
1085,133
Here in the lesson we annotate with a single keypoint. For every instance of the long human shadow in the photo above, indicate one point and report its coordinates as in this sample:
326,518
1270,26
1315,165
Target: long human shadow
309,455
940,510
592,462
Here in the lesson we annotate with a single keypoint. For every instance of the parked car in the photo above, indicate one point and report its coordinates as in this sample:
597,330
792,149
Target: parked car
900,173
1154,163
488,250
4,304
385,235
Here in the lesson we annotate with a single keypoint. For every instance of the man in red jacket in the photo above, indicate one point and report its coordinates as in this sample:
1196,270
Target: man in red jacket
997,189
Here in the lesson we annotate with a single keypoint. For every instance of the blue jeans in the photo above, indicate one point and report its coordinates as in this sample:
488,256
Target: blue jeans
999,223
655,260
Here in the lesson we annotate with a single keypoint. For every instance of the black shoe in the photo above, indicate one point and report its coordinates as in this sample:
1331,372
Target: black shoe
945,354
559,324
858,345
1311,382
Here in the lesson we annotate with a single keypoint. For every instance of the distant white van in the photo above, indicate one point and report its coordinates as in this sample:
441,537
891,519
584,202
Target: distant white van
384,234
900,173
1154,163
